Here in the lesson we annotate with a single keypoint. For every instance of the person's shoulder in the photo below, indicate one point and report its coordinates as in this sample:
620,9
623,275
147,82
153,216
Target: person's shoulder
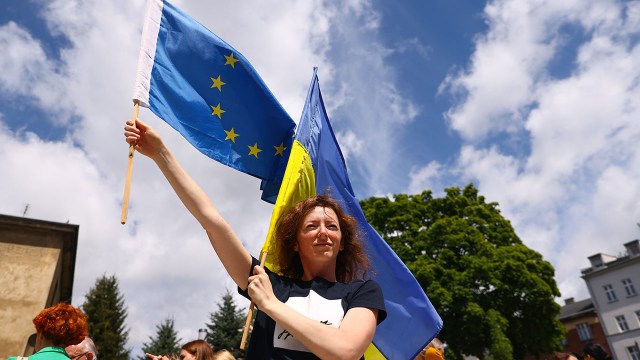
359,288
50,353
367,293
360,284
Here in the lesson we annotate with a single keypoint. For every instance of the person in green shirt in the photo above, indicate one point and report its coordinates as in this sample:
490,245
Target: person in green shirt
57,327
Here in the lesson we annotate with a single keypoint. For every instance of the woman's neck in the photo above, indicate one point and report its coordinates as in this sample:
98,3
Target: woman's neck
326,272
43,343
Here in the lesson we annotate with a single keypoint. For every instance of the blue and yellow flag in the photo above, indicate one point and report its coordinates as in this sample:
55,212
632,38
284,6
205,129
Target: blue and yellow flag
315,166
210,93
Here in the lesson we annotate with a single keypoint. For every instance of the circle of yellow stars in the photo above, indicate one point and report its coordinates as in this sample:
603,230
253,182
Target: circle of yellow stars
217,110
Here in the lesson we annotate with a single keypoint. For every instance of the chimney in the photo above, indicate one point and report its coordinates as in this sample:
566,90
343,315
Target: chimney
600,260
633,248
568,301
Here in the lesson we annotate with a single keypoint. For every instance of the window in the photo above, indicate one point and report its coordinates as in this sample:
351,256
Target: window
622,323
584,331
634,352
611,295
628,287
638,316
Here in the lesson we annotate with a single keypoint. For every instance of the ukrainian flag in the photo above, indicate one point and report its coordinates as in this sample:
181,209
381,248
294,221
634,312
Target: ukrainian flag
316,166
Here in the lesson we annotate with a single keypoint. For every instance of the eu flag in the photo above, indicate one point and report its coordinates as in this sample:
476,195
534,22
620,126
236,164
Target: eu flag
210,93
316,166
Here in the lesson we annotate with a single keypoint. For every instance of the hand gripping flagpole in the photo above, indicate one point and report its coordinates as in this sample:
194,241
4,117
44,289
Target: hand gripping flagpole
247,324
127,181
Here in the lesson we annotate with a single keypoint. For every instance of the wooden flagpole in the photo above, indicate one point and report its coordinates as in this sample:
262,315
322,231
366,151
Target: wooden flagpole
127,181
247,324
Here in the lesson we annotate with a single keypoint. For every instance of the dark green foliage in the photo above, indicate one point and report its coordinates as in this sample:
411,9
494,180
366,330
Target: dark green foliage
225,328
494,294
104,306
166,340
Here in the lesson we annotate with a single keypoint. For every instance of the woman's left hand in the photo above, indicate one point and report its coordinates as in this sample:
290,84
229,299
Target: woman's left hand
260,289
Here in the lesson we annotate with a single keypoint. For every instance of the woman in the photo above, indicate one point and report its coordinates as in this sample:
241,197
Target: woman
57,327
317,309
193,350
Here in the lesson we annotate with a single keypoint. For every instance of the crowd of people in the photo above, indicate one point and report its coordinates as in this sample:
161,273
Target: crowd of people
62,334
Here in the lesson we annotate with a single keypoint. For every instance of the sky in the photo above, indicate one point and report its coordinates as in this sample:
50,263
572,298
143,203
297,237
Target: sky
533,101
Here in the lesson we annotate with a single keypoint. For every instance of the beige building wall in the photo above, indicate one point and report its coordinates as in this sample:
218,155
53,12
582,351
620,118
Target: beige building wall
37,261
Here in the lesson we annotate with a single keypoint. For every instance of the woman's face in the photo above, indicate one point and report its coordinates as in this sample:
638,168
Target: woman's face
319,236
185,355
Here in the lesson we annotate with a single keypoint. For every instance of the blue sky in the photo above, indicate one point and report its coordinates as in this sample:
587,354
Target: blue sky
534,101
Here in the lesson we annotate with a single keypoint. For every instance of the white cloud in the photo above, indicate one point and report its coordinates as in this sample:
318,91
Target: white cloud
508,62
573,193
426,177
350,144
26,71
365,96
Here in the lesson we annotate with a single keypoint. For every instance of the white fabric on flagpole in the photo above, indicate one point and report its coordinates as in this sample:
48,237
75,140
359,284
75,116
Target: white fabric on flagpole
146,57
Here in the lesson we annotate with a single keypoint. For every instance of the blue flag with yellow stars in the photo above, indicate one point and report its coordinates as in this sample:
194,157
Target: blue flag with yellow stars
210,93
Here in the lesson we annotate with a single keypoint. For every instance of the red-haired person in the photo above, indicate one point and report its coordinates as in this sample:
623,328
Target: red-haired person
57,327
319,305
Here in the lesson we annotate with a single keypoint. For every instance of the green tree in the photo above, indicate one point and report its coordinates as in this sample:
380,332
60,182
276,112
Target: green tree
166,340
225,327
494,294
106,313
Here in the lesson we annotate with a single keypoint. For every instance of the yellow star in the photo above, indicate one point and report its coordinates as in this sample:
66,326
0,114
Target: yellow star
253,150
231,135
217,111
231,60
217,83
280,149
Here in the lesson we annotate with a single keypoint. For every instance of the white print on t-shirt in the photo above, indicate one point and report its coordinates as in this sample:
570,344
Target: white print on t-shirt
315,307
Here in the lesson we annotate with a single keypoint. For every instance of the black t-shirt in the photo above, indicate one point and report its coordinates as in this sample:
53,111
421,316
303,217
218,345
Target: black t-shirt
318,299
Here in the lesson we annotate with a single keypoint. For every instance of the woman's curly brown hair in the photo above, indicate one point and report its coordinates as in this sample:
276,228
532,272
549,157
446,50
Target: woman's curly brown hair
62,324
352,262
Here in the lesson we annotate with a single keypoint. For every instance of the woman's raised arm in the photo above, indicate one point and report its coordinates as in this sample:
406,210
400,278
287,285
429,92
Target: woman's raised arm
234,257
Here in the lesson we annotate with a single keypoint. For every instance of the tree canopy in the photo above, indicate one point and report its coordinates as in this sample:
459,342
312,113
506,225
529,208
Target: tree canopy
166,340
106,313
225,327
494,294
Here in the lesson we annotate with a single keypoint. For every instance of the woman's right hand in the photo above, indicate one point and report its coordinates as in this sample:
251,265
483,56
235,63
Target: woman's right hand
144,137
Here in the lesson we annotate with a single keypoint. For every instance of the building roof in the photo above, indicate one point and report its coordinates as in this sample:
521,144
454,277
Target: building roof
576,308
602,262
